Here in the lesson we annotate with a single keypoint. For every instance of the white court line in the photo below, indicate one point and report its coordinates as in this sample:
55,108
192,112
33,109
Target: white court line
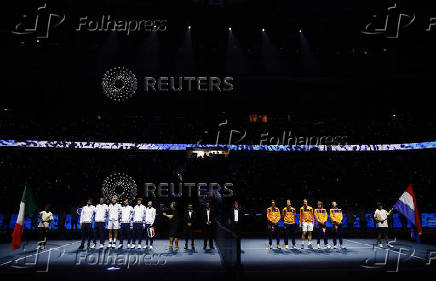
28,256
385,249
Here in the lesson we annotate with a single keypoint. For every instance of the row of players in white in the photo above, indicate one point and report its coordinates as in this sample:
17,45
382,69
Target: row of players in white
116,214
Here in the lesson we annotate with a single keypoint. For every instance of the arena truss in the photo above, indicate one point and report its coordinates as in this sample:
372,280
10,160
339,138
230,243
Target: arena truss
233,147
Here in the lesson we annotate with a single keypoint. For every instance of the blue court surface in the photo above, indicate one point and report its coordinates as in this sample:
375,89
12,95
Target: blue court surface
257,259
64,256
359,255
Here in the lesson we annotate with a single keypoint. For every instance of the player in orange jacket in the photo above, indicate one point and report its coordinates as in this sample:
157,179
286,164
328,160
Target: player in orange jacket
306,223
273,217
321,228
288,214
336,218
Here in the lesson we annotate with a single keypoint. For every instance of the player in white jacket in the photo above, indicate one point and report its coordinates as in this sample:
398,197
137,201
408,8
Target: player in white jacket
44,225
150,216
126,219
86,218
101,212
138,223
114,216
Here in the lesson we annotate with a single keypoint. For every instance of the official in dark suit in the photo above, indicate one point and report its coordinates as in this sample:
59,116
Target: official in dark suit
208,224
188,225
236,218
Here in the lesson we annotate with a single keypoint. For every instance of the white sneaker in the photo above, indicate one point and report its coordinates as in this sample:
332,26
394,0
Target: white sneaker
128,246
389,245
294,247
145,247
151,247
114,245
343,247
120,246
380,245
101,246
328,246
92,246
139,246
334,247
318,246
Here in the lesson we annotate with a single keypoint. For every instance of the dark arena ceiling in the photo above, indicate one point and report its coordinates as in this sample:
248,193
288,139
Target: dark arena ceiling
313,56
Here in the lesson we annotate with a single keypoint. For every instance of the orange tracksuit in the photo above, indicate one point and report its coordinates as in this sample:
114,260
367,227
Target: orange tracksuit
289,215
306,215
273,214
321,216
336,215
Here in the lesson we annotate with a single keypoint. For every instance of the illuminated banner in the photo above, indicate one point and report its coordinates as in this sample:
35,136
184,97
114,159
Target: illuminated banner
234,147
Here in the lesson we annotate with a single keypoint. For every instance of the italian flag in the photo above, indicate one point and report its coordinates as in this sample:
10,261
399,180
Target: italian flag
27,207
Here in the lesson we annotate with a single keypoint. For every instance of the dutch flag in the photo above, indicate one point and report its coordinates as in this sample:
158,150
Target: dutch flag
406,205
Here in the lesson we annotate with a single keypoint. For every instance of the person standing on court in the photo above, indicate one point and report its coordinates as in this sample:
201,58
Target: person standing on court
235,218
44,225
173,229
86,218
188,225
208,224
101,214
150,216
138,221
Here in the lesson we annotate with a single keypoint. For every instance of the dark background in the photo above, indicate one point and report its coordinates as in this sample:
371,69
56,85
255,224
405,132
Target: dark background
328,80
336,70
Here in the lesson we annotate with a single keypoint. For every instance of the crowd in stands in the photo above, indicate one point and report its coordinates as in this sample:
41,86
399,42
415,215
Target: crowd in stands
390,128
356,180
